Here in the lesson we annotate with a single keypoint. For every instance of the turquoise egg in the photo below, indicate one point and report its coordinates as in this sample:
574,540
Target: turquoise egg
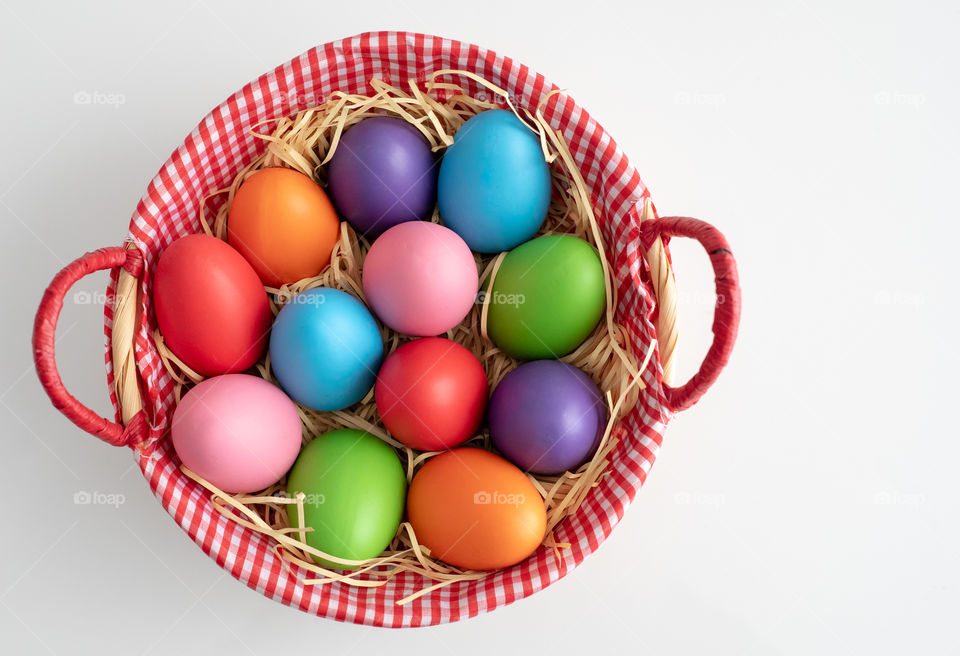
494,184
325,349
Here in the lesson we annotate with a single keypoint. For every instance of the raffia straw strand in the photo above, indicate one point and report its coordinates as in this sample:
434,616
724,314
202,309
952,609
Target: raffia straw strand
491,276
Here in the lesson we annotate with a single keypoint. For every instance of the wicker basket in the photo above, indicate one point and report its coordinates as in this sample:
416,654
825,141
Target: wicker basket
142,392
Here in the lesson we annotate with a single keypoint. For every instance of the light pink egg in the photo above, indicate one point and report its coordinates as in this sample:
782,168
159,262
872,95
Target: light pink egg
239,432
420,278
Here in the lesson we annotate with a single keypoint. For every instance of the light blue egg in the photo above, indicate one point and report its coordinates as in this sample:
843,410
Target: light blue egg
325,349
494,184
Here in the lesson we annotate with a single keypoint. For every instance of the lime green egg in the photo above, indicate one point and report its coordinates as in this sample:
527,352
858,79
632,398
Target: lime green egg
547,297
355,489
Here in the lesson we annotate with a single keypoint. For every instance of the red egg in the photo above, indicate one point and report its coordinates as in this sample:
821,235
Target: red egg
211,307
431,394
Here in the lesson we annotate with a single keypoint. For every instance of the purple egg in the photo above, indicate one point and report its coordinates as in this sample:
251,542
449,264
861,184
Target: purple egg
381,174
547,417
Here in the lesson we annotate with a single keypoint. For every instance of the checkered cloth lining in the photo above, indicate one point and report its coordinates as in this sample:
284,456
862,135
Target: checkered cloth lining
209,159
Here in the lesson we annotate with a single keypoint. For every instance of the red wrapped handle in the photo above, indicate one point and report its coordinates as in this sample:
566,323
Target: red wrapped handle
44,337
726,318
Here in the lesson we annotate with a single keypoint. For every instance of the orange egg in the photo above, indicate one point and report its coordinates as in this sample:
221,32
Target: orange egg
475,510
282,222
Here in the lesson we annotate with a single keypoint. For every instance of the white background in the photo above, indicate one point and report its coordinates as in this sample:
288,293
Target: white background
808,504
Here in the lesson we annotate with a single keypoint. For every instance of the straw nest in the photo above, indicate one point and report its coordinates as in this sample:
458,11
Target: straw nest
305,142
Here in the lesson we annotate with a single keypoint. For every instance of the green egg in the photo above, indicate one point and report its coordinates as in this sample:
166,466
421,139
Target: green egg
547,297
355,491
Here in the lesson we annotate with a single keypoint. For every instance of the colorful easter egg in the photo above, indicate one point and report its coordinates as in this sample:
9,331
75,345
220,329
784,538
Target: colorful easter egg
548,295
211,308
382,173
475,510
325,349
547,417
420,278
354,489
237,431
494,184
282,222
431,394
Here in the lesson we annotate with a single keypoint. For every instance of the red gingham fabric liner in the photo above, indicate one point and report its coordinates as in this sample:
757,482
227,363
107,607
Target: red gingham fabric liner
210,158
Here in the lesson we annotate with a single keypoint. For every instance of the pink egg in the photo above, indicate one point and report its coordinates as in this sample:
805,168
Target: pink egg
239,432
420,278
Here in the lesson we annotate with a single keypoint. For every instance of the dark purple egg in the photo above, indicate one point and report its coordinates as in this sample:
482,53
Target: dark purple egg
547,417
381,174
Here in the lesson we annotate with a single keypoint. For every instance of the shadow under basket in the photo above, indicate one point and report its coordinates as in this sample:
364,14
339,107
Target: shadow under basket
143,392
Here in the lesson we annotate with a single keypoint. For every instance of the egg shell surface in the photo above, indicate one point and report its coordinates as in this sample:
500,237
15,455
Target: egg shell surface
354,487
237,431
431,394
282,222
475,510
325,349
420,278
547,417
548,296
494,185
221,325
382,173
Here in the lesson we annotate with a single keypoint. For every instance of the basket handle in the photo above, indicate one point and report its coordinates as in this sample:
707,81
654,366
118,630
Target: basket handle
726,318
44,338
